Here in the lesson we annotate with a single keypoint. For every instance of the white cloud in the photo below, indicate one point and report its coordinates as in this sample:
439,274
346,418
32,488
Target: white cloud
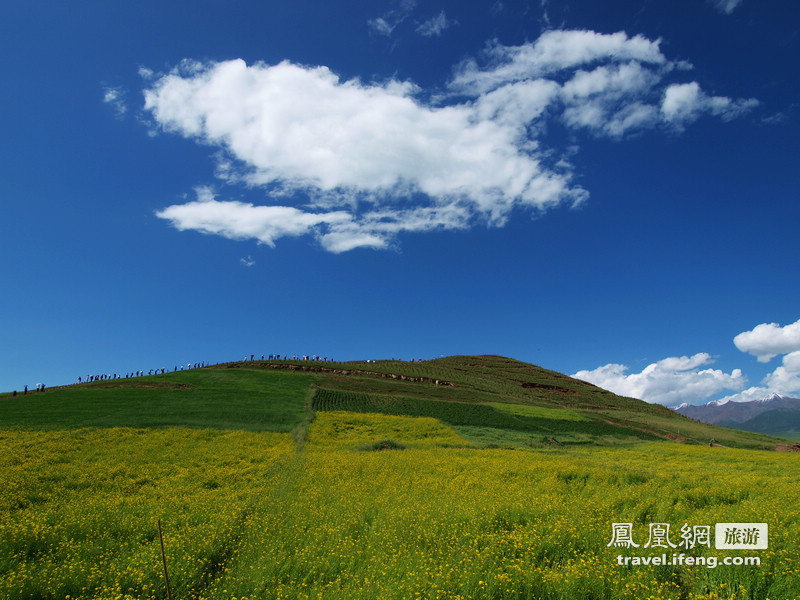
240,221
786,378
673,381
380,26
618,79
545,14
684,103
306,129
517,105
434,26
726,6
748,395
767,340
115,96
386,24
337,231
360,162
248,261
344,144
608,99
791,362
554,51
610,84
670,382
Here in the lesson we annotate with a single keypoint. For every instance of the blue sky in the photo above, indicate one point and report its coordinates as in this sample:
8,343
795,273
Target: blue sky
603,189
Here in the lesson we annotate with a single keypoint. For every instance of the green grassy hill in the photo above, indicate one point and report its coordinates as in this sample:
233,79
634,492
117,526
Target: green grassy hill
501,402
491,401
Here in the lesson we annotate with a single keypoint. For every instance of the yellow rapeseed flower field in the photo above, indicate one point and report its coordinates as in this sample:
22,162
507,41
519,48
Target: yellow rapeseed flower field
248,516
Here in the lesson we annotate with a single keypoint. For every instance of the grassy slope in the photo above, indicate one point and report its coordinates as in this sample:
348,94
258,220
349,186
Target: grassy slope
485,382
204,398
490,400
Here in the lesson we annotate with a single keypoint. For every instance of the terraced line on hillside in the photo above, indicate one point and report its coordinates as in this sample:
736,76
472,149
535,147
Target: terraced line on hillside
468,414
334,371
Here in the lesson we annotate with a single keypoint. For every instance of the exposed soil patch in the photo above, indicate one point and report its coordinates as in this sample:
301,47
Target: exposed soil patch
552,388
787,448
315,369
146,386
382,445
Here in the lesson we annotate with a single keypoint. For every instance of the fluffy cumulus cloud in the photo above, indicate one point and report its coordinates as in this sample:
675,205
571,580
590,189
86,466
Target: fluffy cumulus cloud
673,381
784,380
670,382
355,163
682,379
684,103
768,340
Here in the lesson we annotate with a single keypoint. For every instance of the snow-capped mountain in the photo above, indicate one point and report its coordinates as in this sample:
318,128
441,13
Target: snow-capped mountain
775,414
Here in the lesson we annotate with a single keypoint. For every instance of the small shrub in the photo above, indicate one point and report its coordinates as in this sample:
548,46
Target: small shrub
381,445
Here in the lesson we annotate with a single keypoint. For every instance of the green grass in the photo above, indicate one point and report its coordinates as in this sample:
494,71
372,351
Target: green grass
792,435
688,430
203,398
474,379
526,410
470,414
493,379
510,396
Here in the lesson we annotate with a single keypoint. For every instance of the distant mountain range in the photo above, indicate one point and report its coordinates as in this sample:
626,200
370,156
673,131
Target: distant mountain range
776,415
